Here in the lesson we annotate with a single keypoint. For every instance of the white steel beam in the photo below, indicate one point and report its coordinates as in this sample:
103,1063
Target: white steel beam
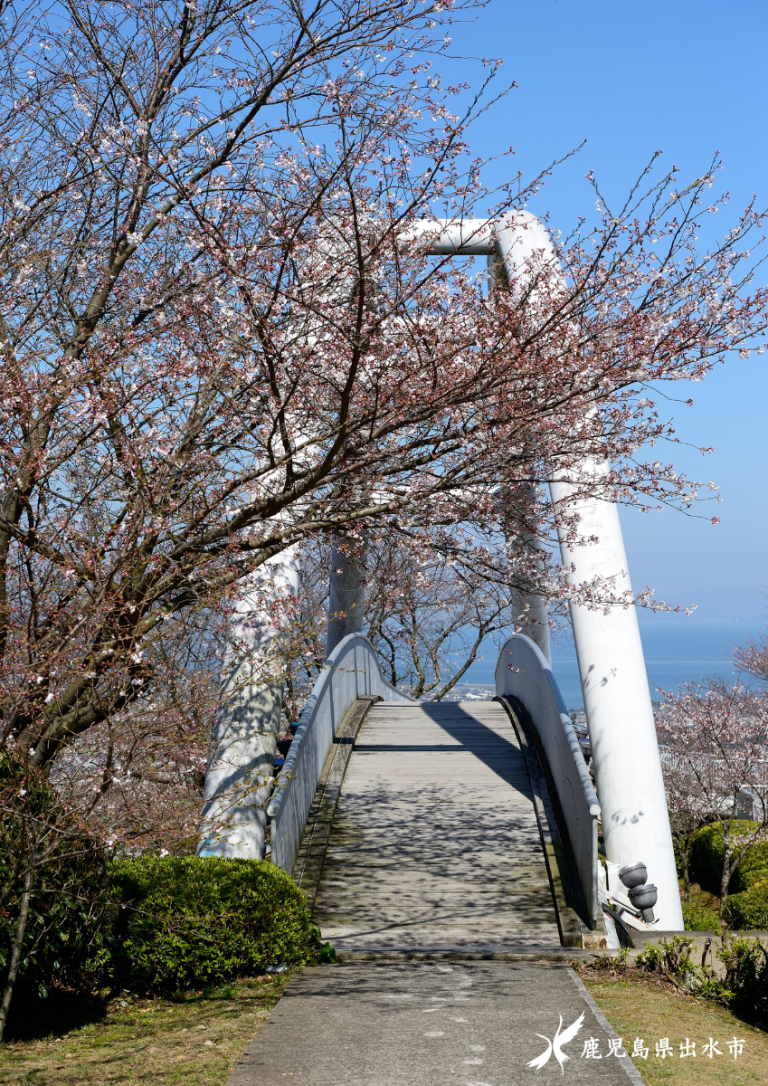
614,683
238,779
346,591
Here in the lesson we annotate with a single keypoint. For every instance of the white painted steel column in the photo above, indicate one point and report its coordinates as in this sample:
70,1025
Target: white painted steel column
531,607
238,780
535,621
617,702
614,682
346,596
532,612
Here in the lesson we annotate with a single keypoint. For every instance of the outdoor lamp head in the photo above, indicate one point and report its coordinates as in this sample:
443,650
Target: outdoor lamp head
633,875
644,898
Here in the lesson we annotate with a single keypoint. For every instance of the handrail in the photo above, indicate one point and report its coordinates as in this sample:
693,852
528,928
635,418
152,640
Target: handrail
523,672
351,672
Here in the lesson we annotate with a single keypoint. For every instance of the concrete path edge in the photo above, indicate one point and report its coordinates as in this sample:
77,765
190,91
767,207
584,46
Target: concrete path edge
633,1074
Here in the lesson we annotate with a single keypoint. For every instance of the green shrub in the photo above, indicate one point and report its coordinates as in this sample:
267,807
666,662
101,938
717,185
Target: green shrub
707,854
752,869
744,988
747,911
195,921
746,978
67,937
699,918
673,959
66,942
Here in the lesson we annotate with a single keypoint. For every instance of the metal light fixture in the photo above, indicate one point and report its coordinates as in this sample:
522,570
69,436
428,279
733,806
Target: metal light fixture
642,893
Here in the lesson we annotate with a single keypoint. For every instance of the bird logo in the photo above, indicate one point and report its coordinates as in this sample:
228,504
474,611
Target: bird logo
556,1045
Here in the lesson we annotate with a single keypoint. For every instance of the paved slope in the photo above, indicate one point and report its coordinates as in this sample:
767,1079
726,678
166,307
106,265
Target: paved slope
429,1024
435,840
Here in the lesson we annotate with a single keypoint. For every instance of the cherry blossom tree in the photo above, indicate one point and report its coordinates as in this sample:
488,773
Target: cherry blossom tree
167,315
429,617
751,659
714,740
137,778
217,343
687,806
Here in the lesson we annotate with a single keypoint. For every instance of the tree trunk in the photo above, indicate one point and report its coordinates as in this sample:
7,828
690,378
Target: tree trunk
725,878
685,848
21,928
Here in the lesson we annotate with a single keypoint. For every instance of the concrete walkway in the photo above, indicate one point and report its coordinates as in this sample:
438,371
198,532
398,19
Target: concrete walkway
435,844
429,1024
435,840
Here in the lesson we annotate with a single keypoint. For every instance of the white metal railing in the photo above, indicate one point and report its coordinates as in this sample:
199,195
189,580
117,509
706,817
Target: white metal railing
351,672
523,673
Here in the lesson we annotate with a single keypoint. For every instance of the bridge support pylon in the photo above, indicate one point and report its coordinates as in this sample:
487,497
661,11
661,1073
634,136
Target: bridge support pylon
238,779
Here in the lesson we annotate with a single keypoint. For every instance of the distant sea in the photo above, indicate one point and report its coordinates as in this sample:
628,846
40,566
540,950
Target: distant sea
676,651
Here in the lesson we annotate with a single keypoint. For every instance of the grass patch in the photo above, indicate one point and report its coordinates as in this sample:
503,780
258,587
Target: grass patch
651,1009
195,1040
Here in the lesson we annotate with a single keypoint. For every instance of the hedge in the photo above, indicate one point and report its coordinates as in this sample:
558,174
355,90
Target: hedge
191,922
699,918
748,910
66,942
153,925
746,979
707,860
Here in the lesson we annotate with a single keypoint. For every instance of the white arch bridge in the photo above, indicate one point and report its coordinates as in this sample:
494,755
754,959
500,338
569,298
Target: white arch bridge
424,825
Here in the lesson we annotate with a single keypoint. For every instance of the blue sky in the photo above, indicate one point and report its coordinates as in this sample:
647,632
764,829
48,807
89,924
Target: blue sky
632,78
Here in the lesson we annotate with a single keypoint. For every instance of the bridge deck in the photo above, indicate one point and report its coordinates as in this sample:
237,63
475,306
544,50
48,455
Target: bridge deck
435,840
